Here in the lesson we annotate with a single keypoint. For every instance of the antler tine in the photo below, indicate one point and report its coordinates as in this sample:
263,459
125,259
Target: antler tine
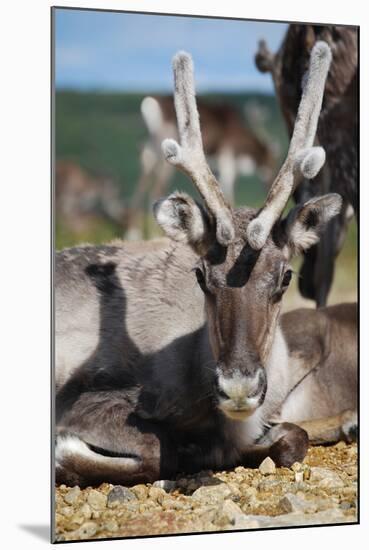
189,156
264,58
303,160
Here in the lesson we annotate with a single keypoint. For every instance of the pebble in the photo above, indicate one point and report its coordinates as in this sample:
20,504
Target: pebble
228,513
87,530
156,494
293,503
118,495
140,491
325,477
72,495
267,466
111,526
96,500
212,493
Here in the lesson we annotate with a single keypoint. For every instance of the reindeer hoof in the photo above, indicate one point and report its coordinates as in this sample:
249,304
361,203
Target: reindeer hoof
291,447
350,426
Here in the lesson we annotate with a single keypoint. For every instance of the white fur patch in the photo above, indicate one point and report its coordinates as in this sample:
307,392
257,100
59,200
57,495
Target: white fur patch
68,446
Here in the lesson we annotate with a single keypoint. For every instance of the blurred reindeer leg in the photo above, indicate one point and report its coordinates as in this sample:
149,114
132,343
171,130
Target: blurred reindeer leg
227,172
149,162
163,174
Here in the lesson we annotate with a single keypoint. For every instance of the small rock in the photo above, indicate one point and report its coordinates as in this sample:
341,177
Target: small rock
72,495
78,519
293,503
66,511
96,500
86,511
174,504
140,491
267,466
325,477
228,513
341,445
299,477
212,493
111,526
157,494
296,467
118,495
87,530
165,484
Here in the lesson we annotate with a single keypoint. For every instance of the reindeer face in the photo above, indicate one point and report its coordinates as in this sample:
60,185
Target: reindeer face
243,289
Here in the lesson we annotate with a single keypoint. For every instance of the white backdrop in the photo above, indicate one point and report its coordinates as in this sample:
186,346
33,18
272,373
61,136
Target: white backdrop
25,264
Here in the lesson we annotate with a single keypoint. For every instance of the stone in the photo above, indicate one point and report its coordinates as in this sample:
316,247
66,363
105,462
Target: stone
72,495
87,530
299,477
86,511
157,494
212,494
228,513
96,500
140,491
66,511
111,526
293,503
119,495
325,477
165,484
267,466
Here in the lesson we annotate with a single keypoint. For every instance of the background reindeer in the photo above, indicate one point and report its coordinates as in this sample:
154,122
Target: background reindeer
202,389
82,201
230,145
337,133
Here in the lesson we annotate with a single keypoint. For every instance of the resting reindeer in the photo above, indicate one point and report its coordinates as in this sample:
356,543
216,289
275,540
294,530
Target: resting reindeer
170,355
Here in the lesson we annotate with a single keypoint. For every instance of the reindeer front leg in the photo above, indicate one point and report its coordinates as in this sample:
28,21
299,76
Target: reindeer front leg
284,443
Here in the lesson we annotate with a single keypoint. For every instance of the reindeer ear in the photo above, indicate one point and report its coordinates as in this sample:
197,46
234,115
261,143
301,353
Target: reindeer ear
185,220
305,223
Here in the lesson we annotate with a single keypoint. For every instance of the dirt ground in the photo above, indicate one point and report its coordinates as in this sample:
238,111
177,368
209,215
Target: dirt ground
321,490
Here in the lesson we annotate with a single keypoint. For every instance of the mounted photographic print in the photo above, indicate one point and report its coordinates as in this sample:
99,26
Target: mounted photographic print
205,178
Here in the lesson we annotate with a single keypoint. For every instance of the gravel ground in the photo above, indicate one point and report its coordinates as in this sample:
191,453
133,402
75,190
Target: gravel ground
321,490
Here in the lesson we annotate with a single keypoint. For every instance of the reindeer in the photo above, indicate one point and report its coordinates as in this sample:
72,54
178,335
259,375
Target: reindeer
337,133
83,200
229,144
170,354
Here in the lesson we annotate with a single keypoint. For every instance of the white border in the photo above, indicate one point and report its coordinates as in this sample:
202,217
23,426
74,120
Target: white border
24,353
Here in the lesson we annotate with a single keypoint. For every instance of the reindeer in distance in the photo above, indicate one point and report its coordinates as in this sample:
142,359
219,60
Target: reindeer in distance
230,145
337,133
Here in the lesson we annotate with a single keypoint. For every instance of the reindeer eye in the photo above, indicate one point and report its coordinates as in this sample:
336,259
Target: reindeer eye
287,278
200,279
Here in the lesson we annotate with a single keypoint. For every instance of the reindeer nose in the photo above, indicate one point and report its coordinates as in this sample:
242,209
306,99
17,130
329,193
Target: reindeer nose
241,394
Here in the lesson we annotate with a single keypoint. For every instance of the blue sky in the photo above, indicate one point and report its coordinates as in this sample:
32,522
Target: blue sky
122,51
